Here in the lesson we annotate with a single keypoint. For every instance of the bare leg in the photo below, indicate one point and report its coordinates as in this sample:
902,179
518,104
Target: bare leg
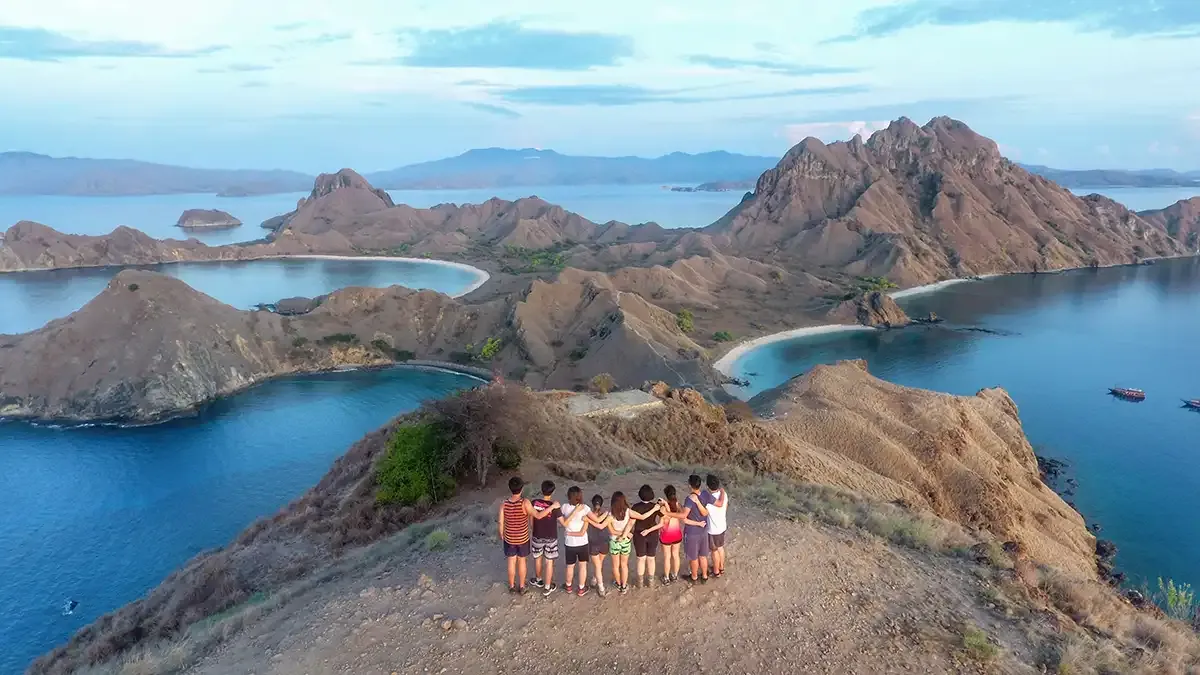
650,564
703,566
522,570
570,574
549,569
512,571
537,567
719,560
694,568
641,565
582,574
625,569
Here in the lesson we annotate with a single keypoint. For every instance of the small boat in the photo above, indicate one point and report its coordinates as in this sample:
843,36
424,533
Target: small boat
1193,403
1128,394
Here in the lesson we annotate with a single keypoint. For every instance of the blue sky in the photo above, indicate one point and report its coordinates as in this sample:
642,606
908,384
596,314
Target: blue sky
315,85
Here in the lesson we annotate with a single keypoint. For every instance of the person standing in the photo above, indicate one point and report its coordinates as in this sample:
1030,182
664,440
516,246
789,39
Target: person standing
695,538
544,544
645,534
671,535
574,522
515,513
620,525
599,537
717,523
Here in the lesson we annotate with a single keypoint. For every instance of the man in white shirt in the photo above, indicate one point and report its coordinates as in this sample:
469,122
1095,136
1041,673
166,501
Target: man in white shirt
717,523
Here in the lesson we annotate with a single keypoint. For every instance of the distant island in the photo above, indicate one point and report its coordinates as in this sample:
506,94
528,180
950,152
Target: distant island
207,219
718,186
24,173
1098,178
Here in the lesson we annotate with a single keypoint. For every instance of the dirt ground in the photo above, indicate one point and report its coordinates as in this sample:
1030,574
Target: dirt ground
797,597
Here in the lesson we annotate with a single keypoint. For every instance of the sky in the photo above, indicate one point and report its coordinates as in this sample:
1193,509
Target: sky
314,85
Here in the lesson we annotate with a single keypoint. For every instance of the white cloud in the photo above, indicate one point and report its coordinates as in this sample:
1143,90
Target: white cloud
830,131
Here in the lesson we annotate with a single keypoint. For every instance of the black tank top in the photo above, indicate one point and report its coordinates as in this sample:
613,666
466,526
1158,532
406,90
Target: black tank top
640,526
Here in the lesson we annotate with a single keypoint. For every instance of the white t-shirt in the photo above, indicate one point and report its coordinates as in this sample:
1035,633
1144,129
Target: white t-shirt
579,522
716,515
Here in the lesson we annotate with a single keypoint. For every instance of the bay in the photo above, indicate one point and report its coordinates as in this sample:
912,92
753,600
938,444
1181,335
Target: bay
1057,343
30,299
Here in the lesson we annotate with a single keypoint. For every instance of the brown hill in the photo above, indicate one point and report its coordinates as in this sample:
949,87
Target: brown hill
964,458
207,219
1181,220
919,204
871,309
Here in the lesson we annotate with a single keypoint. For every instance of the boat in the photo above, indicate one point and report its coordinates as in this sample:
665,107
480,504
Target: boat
1128,394
1193,403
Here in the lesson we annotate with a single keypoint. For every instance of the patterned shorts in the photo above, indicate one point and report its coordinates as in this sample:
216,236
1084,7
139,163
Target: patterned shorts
620,546
544,548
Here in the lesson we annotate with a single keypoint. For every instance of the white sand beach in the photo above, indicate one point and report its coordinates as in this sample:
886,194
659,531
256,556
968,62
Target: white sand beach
481,276
724,365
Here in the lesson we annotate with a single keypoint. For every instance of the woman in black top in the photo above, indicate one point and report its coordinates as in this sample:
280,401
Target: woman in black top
645,534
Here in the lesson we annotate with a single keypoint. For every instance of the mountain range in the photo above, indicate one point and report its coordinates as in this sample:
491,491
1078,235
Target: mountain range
1098,178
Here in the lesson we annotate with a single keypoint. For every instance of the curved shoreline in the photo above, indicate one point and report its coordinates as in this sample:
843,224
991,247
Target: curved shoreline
724,365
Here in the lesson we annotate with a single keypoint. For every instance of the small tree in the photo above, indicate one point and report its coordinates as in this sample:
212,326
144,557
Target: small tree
722,336
490,348
685,320
603,383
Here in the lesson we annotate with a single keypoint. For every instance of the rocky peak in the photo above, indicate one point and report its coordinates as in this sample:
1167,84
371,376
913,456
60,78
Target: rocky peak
327,183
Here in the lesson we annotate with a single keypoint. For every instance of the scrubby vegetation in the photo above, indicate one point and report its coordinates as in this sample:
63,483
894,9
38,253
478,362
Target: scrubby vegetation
339,338
722,336
685,320
518,260
414,467
976,644
391,352
602,384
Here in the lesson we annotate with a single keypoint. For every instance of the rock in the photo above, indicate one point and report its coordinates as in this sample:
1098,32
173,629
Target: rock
875,309
207,219
460,624
447,624
1105,548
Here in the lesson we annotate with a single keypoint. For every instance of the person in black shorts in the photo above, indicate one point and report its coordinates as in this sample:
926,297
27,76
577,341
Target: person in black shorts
598,540
645,534
575,526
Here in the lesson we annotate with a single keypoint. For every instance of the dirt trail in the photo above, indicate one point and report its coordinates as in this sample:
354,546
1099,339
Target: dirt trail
797,597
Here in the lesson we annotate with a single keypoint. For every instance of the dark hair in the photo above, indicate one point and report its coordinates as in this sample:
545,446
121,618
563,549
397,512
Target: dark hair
618,505
575,495
672,500
714,483
694,481
515,485
597,502
646,493
547,487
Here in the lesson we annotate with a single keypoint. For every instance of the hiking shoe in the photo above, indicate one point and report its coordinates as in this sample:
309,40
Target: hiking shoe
550,588
537,582
582,591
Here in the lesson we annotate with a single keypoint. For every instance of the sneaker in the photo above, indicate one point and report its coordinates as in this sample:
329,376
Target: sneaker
569,588
600,590
624,589
522,590
704,580
674,578
550,588
646,582
666,580
537,582
512,589
582,591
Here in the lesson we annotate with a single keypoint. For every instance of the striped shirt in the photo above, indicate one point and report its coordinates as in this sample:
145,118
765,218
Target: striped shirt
516,522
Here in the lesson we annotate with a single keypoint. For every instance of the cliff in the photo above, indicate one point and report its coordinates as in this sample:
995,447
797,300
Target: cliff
920,204
964,458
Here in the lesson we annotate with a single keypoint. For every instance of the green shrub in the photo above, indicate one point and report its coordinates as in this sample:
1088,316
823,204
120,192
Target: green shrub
722,336
133,287
299,341
339,338
437,540
578,353
414,466
403,355
1177,600
508,457
977,645
490,348
685,320
872,284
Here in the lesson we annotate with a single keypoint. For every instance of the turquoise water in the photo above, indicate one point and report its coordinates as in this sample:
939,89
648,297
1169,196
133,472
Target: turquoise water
30,299
156,215
1141,199
103,514
1060,341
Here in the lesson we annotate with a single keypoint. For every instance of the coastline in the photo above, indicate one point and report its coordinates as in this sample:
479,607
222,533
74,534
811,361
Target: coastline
724,365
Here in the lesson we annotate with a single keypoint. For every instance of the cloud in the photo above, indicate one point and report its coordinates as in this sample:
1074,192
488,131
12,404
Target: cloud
1123,18
621,94
493,109
508,44
919,111
323,39
235,68
37,44
771,65
286,27
830,131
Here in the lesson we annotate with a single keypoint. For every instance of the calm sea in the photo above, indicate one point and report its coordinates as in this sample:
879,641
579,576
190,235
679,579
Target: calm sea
103,514
156,215
1056,343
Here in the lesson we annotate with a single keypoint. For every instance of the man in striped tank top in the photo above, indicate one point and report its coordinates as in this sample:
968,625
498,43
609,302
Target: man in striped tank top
515,515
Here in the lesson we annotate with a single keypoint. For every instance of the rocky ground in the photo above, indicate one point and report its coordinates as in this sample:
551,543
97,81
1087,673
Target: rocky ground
798,597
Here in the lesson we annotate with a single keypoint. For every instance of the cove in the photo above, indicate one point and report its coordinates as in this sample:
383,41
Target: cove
103,514
1059,342
30,299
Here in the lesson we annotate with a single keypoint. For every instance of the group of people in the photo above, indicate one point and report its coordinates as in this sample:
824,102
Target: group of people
697,524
